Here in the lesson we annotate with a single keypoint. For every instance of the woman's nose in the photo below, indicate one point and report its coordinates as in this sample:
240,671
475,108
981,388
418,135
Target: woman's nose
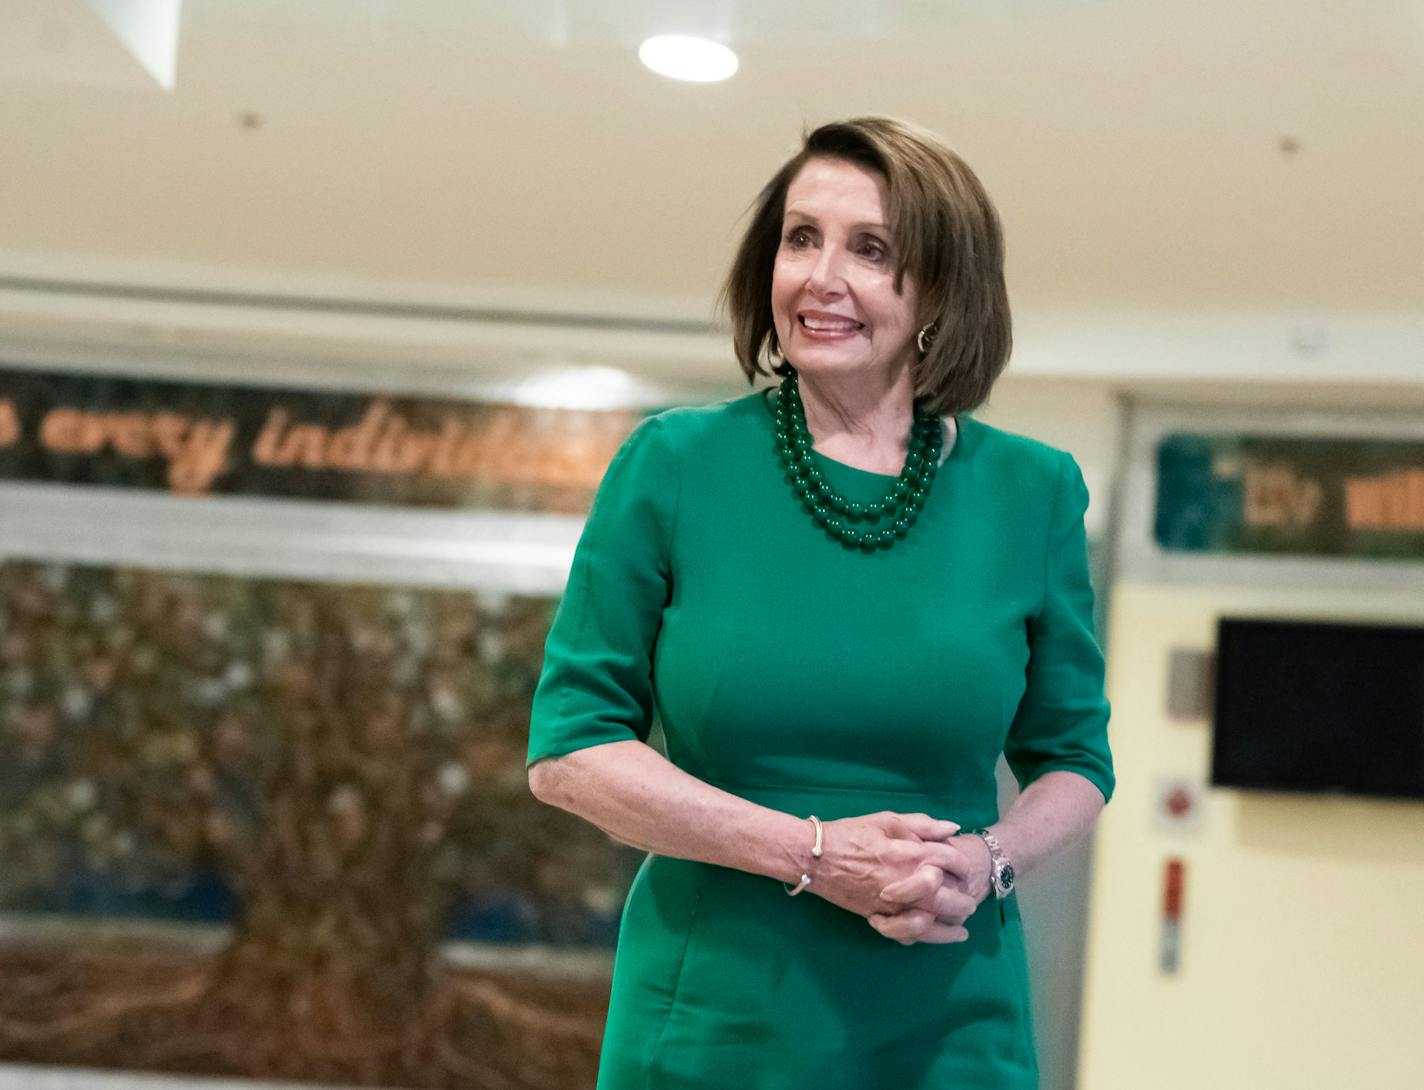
826,275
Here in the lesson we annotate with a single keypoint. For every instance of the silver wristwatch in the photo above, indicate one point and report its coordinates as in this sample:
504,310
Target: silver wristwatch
1001,873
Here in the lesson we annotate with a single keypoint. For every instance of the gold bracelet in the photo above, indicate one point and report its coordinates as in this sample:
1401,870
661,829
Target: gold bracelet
792,891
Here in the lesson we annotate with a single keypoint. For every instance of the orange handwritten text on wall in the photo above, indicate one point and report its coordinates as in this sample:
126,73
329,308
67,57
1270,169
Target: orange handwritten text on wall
1275,495
197,450
1387,502
506,445
9,423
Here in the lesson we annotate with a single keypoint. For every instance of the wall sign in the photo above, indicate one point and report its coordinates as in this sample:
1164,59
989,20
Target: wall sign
1290,495
194,438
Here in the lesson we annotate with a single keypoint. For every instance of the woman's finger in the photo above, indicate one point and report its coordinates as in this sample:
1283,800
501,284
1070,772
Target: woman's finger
904,927
928,828
935,932
948,857
924,883
941,933
879,922
952,905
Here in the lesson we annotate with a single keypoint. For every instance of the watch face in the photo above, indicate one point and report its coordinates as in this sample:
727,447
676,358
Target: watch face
1006,877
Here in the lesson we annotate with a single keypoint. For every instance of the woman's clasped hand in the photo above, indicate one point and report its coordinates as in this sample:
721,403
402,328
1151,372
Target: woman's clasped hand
910,875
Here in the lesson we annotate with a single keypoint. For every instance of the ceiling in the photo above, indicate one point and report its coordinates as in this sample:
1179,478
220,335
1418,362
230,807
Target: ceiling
1216,154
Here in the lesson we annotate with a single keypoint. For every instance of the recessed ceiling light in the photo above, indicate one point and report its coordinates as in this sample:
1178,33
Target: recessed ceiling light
679,56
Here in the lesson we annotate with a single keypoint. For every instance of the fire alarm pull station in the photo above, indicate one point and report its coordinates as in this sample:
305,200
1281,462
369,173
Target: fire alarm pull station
1170,947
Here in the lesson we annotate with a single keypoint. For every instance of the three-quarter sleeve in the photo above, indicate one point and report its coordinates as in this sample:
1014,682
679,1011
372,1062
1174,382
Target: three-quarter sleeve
596,684
1061,722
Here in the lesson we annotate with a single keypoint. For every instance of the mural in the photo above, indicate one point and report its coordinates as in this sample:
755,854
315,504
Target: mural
330,781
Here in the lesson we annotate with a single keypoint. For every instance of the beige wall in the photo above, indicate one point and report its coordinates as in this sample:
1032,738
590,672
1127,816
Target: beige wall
1080,417
1302,962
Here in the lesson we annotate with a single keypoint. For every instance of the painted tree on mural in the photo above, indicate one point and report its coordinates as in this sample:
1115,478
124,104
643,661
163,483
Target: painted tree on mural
349,759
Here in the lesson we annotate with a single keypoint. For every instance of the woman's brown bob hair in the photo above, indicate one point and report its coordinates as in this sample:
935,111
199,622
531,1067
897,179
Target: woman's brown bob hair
946,237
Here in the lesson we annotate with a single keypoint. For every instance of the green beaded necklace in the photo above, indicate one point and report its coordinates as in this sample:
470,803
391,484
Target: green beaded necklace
867,526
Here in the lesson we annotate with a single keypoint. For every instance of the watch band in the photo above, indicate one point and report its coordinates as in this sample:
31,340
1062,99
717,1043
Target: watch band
1001,873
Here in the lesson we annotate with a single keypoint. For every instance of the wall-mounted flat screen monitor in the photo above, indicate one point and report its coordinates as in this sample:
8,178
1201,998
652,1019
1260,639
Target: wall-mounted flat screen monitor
1311,706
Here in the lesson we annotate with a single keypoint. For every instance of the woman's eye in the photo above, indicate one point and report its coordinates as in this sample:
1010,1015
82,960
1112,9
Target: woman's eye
873,250
798,236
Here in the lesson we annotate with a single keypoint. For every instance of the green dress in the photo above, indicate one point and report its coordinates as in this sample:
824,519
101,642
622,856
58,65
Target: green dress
795,672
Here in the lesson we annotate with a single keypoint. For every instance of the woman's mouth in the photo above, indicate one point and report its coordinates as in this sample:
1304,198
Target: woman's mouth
825,325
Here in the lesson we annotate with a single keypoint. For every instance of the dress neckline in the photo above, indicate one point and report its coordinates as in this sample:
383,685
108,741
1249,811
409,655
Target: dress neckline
951,437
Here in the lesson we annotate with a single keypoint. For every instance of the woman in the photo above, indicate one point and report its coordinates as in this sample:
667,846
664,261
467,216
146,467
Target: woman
845,599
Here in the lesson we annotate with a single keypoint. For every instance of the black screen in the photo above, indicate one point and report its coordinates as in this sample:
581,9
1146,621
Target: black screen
1319,707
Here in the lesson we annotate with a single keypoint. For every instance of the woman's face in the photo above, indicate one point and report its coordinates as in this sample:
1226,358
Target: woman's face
833,294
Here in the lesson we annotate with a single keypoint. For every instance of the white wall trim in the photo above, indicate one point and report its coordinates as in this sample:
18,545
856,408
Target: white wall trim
476,328
289,539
